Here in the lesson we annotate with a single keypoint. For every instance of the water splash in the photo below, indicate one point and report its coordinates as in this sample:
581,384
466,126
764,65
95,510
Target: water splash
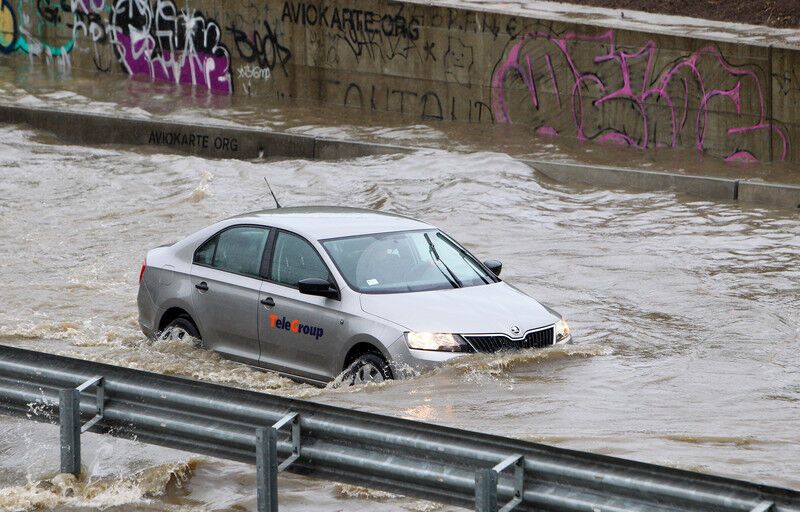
502,363
203,189
64,490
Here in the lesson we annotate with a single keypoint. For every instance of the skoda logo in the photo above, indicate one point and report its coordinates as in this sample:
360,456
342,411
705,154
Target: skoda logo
514,330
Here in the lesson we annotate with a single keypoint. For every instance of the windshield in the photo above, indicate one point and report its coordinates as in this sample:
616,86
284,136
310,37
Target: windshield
407,261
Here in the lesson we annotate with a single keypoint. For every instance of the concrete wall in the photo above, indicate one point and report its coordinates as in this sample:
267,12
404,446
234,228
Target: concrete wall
437,64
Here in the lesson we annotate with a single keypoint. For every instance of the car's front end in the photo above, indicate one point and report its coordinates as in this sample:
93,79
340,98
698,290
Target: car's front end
445,324
447,303
421,351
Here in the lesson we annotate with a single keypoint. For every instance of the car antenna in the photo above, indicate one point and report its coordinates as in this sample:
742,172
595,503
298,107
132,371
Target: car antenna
277,204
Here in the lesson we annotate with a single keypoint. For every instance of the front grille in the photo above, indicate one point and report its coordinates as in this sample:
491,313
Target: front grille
496,343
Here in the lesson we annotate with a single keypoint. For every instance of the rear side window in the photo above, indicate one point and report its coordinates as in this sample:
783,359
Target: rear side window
205,254
238,250
294,259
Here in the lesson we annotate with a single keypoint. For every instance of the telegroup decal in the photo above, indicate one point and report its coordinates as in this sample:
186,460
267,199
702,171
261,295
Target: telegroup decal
294,326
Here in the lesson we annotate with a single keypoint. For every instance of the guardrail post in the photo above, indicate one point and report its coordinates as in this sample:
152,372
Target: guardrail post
69,414
267,469
69,417
486,490
486,485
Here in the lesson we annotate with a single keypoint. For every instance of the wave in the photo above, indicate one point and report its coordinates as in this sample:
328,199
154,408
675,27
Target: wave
55,330
501,363
64,490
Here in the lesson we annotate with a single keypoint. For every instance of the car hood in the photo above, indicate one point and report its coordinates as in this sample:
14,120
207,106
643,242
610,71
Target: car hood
488,309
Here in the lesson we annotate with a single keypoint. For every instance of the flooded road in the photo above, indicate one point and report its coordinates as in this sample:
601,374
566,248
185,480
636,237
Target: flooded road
685,313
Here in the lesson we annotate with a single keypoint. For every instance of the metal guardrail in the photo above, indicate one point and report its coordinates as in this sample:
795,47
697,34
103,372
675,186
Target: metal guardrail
442,464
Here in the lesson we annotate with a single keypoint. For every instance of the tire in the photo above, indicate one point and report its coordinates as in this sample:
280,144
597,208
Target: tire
179,329
368,368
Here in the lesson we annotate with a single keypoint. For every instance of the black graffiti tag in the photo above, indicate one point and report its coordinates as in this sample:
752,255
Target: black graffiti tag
266,50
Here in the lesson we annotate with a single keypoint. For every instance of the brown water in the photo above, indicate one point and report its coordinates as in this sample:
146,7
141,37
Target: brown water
686,315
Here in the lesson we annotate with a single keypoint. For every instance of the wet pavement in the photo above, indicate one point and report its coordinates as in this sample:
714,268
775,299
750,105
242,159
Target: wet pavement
686,313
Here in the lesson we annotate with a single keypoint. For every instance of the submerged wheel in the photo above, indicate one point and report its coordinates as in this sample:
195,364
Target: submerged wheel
368,368
179,329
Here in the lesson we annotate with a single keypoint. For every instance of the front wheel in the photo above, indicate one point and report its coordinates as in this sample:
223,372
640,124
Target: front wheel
180,329
368,368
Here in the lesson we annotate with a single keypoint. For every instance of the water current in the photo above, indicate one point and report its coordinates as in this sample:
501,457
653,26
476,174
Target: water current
686,315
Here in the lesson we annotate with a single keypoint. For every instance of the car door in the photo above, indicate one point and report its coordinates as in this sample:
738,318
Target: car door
226,277
300,334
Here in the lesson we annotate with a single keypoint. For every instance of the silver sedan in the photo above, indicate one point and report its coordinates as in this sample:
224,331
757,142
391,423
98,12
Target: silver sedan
323,293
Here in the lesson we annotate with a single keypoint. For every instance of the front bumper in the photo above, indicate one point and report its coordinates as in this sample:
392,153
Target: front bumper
407,362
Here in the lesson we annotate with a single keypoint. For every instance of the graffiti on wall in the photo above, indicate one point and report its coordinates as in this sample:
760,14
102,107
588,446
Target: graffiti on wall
158,40
32,27
261,50
365,35
589,88
90,26
150,38
430,63
9,28
409,99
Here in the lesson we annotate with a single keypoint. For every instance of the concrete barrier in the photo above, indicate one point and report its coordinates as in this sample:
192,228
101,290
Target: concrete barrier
203,140
621,83
773,194
218,141
610,177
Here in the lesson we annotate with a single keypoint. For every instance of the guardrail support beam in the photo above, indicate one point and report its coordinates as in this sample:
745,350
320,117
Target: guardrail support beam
267,469
69,418
69,414
486,490
486,485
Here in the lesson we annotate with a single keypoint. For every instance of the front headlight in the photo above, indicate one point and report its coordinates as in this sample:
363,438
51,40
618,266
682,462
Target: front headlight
433,341
562,331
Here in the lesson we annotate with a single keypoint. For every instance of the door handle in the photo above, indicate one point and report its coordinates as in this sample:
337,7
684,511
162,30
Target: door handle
202,286
269,302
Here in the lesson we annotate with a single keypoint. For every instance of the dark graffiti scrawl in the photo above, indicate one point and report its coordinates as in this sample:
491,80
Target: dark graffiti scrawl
606,93
90,26
261,49
344,19
368,36
169,44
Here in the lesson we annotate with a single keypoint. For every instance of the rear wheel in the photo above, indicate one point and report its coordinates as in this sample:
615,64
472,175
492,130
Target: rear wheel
367,368
179,329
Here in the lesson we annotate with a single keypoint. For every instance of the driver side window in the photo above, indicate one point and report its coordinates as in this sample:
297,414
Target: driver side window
294,259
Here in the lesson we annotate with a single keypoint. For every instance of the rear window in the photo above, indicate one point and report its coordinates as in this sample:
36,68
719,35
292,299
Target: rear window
239,250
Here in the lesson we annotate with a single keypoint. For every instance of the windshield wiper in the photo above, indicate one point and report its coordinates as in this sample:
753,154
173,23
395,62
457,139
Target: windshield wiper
464,256
452,279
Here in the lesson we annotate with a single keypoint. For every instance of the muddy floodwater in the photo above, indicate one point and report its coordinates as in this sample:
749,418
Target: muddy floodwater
685,313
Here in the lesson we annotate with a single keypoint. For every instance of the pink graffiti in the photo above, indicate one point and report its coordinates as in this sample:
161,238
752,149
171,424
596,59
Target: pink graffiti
156,39
201,69
688,90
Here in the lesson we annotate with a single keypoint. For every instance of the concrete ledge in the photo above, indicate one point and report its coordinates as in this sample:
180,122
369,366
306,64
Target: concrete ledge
214,141
611,177
218,141
771,194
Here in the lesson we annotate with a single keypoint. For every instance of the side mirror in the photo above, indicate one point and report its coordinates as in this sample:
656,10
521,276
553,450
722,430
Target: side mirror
318,287
494,265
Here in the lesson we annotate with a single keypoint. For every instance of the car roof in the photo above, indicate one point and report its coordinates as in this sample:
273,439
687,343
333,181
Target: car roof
323,222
